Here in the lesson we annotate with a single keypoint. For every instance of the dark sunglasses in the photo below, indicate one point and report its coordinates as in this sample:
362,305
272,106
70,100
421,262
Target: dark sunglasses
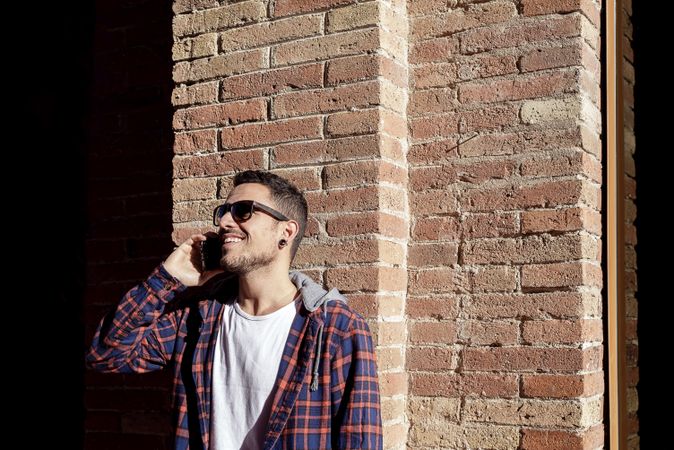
243,210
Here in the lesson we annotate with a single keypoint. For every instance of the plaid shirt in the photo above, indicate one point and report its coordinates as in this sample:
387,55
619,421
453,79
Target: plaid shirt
319,403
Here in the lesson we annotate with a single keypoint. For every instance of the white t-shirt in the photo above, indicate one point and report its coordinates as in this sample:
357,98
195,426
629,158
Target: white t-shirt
248,352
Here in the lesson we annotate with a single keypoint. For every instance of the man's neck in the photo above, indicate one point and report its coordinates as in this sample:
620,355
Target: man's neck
265,291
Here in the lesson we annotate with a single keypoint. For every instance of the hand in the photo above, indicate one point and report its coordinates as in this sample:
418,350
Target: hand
185,262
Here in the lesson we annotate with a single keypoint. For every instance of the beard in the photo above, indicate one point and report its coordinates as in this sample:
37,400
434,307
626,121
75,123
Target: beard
245,263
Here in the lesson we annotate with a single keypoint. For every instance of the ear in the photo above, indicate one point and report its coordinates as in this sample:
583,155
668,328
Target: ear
290,230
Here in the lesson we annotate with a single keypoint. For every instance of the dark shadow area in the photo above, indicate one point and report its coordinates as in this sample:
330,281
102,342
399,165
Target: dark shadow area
50,69
129,207
91,98
654,186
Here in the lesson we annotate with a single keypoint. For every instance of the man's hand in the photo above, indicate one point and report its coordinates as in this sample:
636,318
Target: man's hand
185,262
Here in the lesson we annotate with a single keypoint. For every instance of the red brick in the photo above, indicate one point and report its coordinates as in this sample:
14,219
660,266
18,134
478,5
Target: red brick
196,94
538,7
193,142
215,164
389,358
543,194
493,278
352,68
522,33
271,132
393,124
548,84
481,225
328,150
366,304
435,152
181,6
434,50
532,359
432,332
567,274
443,279
366,278
436,307
562,331
537,439
458,385
460,19
566,219
432,254
288,7
344,200
272,32
424,7
392,383
272,81
214,19
434,202
431,359
551,57
368,222
220,66
474,332
535,248
472,67
366,121
358,173
305,179
533,305
436,228
361,95
432,101
445,125
337,252
434,75
326,47
219,115
562,386
468,172
526,142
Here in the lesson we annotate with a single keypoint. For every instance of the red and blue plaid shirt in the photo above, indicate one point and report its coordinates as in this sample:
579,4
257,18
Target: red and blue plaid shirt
319,403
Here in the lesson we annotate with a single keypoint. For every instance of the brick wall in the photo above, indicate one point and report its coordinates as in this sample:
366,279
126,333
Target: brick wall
315,92
128,206
504,302
450,153
632,344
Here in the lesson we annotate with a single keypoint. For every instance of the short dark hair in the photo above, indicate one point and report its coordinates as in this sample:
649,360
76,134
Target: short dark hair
288,199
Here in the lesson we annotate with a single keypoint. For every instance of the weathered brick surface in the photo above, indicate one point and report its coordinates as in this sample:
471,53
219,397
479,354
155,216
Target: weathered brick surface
451,157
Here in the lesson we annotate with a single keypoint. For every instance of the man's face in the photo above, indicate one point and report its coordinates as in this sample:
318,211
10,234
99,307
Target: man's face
259,234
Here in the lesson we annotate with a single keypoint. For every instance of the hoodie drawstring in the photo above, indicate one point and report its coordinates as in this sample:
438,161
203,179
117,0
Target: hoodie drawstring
314,376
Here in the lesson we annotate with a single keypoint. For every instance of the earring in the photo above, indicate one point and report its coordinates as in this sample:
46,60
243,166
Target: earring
282,243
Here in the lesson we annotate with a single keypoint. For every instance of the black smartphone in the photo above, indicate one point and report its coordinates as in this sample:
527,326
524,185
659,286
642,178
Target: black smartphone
211,252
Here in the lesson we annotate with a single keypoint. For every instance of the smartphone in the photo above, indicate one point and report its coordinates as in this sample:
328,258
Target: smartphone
211,252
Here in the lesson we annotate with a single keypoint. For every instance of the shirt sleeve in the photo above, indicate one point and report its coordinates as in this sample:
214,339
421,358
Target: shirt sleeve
136,337
357,423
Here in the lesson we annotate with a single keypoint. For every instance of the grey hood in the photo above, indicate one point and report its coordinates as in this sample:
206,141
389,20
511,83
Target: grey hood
313,297
313,294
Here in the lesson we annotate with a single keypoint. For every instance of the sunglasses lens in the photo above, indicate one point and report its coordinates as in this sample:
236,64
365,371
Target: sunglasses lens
241,210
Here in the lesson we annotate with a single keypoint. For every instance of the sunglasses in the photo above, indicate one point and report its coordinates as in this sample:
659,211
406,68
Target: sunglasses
243,210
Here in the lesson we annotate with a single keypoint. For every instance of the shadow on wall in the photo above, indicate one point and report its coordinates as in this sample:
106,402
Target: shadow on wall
129,154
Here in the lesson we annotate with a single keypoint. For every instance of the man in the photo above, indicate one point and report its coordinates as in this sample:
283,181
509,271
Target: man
263,359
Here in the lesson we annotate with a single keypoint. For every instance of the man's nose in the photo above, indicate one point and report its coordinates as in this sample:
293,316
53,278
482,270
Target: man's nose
226,221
